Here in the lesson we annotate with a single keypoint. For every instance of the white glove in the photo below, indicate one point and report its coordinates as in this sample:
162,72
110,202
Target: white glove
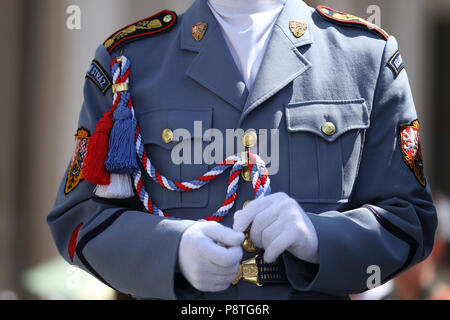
279,224
204,260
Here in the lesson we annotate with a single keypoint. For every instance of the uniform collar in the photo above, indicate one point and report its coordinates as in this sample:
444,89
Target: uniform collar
283,62
247,6
197,12
214,66
296,10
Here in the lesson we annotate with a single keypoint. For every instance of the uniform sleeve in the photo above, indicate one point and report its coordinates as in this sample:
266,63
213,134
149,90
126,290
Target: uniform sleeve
129,250
393,222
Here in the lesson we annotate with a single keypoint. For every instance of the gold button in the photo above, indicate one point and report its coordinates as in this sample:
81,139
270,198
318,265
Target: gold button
246,203
249,139
167,136
167,18
329,128
246,174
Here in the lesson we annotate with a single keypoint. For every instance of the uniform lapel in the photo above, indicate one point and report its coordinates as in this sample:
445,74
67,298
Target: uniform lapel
213,67
282,62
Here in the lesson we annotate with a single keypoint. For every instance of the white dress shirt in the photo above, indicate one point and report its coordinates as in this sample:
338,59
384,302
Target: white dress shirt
247,26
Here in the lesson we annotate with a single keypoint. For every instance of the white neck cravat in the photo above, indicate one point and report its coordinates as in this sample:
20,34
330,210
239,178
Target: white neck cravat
247,26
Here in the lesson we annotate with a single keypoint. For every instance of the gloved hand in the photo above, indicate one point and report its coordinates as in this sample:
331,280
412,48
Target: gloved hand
209,255
278,224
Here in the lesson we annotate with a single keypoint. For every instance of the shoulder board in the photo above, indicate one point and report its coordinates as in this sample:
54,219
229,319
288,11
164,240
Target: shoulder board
350,20
157,23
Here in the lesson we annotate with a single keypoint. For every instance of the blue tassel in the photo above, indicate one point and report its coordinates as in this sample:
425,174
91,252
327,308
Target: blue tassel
122,149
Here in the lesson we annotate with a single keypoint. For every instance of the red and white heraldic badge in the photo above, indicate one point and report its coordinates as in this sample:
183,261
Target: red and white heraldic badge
75,173
410,146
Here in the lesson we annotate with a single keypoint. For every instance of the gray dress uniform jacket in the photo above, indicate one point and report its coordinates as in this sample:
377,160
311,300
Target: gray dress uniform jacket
366,203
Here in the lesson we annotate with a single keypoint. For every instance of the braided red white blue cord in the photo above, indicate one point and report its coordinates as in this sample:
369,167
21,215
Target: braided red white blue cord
260,178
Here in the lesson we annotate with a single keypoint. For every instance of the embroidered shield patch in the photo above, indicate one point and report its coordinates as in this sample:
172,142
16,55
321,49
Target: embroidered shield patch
410,146
198,30
75,173
298,28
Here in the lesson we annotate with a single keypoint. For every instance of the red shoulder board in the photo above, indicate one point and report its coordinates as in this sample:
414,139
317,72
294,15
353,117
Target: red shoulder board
157,23
350,20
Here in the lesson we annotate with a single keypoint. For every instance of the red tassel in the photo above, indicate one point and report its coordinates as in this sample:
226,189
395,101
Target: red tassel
94,169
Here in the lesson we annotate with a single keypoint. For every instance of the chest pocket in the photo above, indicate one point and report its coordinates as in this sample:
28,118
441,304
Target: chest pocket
166,154
326,140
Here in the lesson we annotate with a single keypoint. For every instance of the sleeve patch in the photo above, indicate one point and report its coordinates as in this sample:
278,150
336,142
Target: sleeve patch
396,63
157,23
99,76
75,173
411,150
350,20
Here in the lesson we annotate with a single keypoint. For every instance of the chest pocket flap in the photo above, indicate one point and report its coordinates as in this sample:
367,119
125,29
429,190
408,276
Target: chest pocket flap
345,115
326,140
154,122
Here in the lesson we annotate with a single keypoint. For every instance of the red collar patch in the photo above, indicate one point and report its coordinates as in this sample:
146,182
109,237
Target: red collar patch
410,146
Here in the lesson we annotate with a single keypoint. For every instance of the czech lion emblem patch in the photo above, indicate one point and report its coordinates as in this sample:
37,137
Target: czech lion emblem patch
75,173
410,146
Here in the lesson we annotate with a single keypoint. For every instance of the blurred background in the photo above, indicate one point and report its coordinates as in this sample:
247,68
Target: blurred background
44,64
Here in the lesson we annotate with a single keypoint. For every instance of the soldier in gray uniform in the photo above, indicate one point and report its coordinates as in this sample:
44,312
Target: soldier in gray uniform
349,195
